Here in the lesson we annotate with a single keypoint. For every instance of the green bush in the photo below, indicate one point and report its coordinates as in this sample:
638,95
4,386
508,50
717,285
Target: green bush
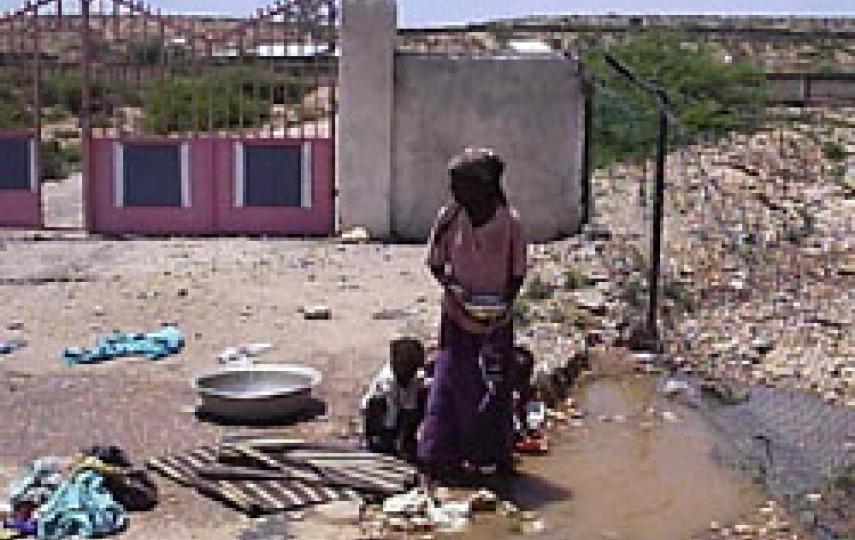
146,53
833,151
13,116
537,289
709,97
230,98
13,109
521,313
58,161
677,293
635,294
574,279
64,91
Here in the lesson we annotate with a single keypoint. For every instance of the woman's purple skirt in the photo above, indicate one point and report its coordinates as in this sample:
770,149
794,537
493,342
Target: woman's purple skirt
463,422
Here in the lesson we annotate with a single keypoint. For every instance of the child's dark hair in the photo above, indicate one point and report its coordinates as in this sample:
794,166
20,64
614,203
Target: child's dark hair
407,356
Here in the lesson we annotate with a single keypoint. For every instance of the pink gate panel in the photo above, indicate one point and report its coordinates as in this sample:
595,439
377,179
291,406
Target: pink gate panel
20,186
211,185
112,210
309,211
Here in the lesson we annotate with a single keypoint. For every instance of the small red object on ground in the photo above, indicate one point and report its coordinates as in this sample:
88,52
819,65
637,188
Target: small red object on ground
533,444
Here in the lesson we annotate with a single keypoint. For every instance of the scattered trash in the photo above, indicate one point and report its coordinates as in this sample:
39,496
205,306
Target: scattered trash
415,511
411,503
12,345
154,345
536,415
669,416
392,314
356,235
317,313
726,392
15,325
674,387
449,517
243,354
533,443
483,500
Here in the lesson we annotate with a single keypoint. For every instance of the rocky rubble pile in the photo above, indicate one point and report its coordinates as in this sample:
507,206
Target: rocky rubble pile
758,257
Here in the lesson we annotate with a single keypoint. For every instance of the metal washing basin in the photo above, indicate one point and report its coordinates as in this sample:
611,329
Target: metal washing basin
256,393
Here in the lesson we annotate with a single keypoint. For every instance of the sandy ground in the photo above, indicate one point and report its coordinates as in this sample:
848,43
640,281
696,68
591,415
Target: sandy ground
60,289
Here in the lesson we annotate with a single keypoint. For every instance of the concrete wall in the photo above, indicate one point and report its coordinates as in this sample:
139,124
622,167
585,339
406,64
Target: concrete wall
812,88
833,90
529,109
365,125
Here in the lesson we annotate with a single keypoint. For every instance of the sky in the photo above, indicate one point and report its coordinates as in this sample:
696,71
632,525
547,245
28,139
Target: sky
436,12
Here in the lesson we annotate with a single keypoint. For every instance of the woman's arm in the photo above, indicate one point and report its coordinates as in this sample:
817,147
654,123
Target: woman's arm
447,281
518,259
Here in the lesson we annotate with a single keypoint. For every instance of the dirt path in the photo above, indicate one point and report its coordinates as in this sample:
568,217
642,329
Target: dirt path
67,291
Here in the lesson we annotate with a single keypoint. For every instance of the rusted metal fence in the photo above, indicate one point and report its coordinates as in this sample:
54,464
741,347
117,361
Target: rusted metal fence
186,124
22,60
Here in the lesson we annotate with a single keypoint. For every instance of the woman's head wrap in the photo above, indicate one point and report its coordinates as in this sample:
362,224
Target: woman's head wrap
481,165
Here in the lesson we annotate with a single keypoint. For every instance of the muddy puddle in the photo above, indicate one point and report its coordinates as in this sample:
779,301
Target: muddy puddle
636,476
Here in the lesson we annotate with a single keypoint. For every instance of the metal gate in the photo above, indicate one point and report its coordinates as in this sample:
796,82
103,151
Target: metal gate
188,125
21,64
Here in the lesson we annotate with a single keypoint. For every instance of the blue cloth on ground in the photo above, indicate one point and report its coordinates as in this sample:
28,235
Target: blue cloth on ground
81,507
154,345
37,483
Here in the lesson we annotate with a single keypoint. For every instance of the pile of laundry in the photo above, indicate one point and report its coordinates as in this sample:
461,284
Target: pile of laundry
86,496
265,474
152,345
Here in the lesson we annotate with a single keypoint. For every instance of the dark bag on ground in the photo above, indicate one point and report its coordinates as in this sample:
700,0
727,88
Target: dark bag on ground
134,490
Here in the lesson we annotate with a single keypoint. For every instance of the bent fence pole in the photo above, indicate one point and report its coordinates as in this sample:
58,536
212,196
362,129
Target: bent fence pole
652,330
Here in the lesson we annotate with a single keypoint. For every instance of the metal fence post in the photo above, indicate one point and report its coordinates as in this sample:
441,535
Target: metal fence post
656,240
86,116
587,192
651,330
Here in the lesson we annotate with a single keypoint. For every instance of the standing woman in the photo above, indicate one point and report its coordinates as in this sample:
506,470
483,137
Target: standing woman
477,254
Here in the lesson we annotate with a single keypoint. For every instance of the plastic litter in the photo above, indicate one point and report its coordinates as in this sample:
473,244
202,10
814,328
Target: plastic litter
450,516
412,503
243,354
675,387
12,345
414,506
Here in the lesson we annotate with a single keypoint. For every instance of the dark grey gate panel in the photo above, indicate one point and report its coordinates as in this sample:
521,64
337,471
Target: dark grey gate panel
15,165
273,176
151,175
